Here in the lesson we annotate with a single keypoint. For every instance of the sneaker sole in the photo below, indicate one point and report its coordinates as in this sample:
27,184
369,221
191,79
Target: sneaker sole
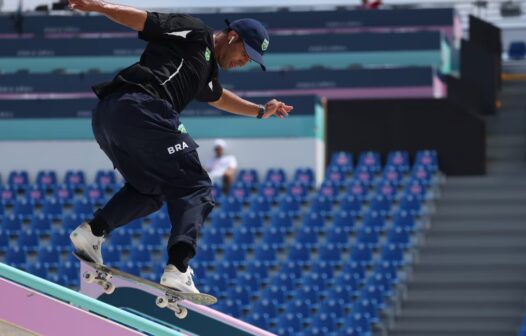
79,241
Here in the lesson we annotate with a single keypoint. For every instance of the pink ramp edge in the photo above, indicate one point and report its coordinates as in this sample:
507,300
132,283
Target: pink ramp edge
95,291
47,316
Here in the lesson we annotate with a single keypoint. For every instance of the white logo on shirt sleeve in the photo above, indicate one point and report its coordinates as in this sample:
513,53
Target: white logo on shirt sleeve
175,73
181,33
211,86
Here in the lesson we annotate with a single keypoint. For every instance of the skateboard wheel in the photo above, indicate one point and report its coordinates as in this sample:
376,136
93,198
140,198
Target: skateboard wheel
108,288
161,302
181,313
88,277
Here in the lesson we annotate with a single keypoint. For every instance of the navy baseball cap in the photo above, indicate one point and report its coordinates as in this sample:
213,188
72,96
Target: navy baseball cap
254,36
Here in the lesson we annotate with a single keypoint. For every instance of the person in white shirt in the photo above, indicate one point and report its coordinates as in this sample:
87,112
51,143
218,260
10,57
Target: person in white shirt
222,168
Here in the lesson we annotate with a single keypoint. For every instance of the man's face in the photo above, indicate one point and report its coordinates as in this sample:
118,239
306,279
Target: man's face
219,151
234,54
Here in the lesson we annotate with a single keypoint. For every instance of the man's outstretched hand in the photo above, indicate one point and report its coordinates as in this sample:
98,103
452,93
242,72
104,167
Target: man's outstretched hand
277,108
86,5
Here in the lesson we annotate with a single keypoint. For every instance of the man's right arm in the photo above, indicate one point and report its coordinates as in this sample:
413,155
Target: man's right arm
130,17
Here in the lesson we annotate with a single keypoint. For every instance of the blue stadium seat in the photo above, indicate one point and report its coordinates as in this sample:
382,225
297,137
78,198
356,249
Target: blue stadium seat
517,50
399,236
367,309
351,205
387,190
338,236
37,270
337,297
276,294
411,204
355,325
205,254
313,220
8,194
46,178
369,160
289,204
324,268
269,190
23,208
248,176
258,320
69,272
15,257
222,221
83,207
259,204
60,240
240,191
121,240
404,219
399,160
428,159
151,239
234,254
52,207
252,221
304,176
374,220
357,189
132,268
329,189
335,175
421,174
381,282
248,281
212,237
105,178
297,190
282,221
380,204
240,295
18,178
307,294
4,241
217,193
71,221
292,269
12,224
75,178
276,176
112,256
63,194
226,268
392,176
363,175
298,253
362,254
321,204
416,189
325,322
265,308
315,281
160,222
273,237
344,220
302,302
41,224
308,236
368,236
28,240
388,270
35,195
140,256
266,254
257,268
288,325
243,237
283,281
48,256
348,281
231,205
330,253
135,226
393,254
342,159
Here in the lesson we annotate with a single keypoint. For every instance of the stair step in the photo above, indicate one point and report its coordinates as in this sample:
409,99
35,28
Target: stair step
476,227
464,294
467,325
495,211
470,277
448,262
482,312
497,241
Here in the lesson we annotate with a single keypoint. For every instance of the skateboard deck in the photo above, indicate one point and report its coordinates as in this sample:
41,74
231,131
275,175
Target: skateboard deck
167,297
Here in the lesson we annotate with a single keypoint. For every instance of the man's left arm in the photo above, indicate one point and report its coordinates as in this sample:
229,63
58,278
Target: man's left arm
230,102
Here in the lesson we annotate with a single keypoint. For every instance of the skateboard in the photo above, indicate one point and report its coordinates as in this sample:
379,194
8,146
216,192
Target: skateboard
167,297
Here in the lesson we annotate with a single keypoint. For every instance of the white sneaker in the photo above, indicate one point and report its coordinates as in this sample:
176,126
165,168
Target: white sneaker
87,243
176,279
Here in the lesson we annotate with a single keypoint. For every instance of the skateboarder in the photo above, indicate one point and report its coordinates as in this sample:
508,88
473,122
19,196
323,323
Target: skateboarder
136,123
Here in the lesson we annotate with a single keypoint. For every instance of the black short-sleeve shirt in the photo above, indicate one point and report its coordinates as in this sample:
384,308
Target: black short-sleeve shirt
178,63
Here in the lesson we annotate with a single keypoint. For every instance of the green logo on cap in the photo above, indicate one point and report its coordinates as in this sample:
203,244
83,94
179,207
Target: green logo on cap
207,54
264,45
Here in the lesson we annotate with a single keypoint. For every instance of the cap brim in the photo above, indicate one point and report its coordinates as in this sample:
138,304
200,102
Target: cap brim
255,56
